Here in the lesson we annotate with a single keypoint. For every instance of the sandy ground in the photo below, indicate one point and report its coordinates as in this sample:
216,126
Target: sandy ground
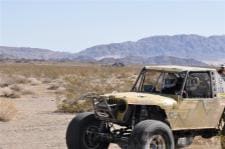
37,126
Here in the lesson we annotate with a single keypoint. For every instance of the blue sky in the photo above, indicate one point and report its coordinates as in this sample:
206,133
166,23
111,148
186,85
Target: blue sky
73,25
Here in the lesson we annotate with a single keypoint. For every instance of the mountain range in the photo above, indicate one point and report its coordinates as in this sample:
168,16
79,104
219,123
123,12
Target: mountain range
182,46
159,60
177,49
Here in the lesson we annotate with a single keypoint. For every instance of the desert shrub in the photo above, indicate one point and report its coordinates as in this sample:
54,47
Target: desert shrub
8,80
7,110
60,91
71,106
46,80
53,87
34,81
18,79
5,81
8,93
57,84
16,88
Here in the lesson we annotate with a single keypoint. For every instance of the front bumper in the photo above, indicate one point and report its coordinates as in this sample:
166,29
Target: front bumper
109,108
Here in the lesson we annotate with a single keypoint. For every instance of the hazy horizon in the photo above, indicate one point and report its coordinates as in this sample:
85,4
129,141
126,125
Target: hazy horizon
71,26
107,43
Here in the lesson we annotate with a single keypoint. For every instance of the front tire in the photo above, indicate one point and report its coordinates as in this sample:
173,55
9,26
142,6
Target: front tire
151,134
78,136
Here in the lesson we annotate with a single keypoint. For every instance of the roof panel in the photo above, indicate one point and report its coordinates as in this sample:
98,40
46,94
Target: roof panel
175,68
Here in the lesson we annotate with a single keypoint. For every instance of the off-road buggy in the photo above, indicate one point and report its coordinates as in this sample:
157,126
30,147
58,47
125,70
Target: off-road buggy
166,108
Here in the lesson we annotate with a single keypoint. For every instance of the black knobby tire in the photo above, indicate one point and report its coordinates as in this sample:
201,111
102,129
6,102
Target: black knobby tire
76,136
145,131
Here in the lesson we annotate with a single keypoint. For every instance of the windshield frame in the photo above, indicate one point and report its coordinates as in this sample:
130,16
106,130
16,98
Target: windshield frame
138,85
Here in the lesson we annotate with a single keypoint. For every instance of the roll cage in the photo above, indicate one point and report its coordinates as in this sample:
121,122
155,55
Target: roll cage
185,75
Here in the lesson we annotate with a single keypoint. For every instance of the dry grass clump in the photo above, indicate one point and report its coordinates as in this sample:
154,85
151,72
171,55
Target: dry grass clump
15,91
7,110
46,80
7,80
60,91
8,93
34,81
16,88
57,85
53,87
18,79
72,106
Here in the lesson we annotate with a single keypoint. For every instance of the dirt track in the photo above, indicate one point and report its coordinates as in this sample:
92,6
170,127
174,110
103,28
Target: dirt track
37,126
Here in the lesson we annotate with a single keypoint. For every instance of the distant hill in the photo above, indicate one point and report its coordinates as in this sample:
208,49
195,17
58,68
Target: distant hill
183,46
160,60
177,49
33,53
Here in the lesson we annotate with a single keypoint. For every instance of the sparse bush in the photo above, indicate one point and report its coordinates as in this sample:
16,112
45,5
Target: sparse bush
79,106
34,81
6,80
16,88
46,80
60,91
7,110
18,79
8,93
53,87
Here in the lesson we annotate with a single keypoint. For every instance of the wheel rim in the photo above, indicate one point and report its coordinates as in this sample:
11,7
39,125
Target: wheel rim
157,142
89,138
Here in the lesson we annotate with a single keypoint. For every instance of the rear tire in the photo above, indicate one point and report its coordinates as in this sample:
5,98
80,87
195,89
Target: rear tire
77,136
151,134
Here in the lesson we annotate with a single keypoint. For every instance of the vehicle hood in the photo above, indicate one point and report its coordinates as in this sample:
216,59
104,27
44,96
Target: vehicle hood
136,98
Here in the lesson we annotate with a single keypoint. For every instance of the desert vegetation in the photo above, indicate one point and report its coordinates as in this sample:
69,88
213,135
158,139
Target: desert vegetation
70,82
15,85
